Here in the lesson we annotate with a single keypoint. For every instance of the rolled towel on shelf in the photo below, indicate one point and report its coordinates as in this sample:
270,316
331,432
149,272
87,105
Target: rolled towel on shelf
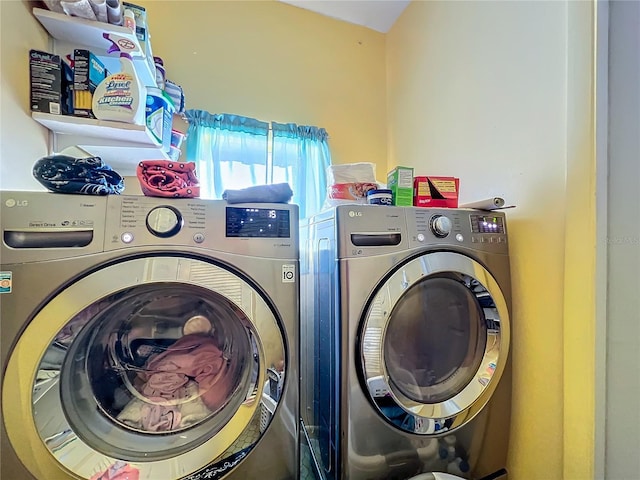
493,203
165,178
114,12
78,8
54,6
87,176
100,10
274,193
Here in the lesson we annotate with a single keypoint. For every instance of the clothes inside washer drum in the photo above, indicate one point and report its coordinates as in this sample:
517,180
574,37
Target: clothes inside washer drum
194,356
118,471
159,415
180,386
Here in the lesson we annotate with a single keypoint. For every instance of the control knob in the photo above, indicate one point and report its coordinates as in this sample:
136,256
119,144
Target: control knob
164,221
440,226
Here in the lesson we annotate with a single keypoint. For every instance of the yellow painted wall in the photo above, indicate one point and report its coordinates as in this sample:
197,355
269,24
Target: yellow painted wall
580,283
273,61
499,94
22,141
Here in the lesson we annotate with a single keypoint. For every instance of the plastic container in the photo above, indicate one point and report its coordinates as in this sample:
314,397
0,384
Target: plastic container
161,76
129,20
177,137
120,96
159,116
380,197
174,153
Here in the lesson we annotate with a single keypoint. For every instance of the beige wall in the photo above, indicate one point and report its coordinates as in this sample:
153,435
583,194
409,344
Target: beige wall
498,94
273,61
22,141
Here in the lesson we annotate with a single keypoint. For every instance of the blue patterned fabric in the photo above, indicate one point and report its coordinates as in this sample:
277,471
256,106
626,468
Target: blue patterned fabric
87,176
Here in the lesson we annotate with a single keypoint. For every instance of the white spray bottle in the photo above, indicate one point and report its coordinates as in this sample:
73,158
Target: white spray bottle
121,97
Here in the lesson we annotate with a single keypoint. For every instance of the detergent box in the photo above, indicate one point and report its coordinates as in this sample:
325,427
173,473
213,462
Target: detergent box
431,191
400,182
51,81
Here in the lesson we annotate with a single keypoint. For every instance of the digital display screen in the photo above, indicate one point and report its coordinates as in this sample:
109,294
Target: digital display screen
258,222
487,224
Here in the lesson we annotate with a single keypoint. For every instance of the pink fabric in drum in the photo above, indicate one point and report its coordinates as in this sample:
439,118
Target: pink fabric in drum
194,356
166,178
160,418
118,471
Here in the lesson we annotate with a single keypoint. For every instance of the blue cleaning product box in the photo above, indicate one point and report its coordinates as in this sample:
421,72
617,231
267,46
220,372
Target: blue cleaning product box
159,116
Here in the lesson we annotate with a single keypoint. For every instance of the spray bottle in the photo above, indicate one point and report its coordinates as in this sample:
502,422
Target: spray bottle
121,96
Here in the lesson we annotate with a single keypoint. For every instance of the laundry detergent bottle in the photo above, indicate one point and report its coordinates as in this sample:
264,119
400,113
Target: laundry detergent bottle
121,96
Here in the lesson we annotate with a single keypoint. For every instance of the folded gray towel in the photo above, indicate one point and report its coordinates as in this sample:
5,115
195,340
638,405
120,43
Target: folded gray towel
275,193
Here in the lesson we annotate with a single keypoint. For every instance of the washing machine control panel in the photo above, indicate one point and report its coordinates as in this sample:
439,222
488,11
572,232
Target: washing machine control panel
487,224
440,225
459,227
257,222
164,221
268,230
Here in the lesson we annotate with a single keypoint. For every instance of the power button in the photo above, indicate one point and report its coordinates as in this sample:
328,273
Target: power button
198,237
420,237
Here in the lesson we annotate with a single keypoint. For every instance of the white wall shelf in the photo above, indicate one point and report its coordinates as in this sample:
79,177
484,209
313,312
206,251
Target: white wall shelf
89,127
121,145
88,33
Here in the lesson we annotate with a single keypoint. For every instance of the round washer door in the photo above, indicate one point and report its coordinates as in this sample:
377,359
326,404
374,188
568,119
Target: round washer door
153,367
434,342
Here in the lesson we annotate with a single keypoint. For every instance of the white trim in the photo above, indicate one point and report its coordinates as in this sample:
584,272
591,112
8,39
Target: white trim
601,128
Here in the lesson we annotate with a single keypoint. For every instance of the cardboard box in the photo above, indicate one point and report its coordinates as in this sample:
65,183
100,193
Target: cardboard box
88,72
400,182
431,191
50,83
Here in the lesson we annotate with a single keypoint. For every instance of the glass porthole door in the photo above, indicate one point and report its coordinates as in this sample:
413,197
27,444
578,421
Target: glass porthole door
154,364
434,343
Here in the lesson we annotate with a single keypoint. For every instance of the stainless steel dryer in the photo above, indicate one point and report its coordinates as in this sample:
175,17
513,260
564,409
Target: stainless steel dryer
405,335
147,337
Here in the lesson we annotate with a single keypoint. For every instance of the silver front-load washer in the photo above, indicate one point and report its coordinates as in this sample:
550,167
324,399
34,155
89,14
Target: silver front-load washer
147,337
405,339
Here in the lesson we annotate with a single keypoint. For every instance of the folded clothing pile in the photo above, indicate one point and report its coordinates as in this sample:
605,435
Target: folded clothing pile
179,387
273,193
165,178
67,174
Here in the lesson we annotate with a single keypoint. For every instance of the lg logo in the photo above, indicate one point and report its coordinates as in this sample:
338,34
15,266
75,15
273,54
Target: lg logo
16,203
354,214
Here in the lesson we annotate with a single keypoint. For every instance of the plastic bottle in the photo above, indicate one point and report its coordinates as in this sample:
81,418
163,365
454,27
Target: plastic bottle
121,96
129,20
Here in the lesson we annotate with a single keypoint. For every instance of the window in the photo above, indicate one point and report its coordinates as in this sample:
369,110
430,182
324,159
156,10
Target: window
233,152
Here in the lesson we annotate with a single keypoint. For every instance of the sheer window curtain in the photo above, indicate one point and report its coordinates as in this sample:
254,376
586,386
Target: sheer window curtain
231,152
301,156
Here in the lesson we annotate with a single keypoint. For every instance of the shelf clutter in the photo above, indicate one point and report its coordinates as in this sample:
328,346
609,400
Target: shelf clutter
79,31
63,83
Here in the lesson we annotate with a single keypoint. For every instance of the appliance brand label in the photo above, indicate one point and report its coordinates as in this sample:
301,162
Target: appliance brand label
6,282
11,202
288,273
